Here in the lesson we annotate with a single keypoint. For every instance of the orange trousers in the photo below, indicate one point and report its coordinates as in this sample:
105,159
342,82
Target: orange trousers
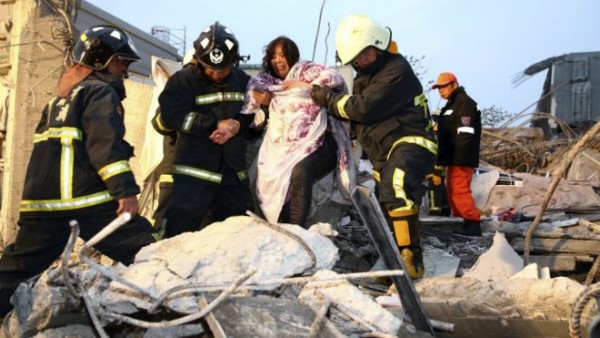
460,197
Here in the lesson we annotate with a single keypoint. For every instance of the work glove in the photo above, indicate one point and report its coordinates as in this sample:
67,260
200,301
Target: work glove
321,95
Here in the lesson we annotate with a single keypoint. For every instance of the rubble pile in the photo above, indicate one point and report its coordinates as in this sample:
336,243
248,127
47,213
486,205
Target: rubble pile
171,283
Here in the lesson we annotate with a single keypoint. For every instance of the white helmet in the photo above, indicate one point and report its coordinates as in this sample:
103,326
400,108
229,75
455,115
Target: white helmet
357,32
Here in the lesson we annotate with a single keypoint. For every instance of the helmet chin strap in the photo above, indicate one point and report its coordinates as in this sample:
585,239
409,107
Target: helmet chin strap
113,80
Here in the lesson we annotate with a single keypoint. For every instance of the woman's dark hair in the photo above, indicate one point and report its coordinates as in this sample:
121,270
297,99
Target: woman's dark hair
290,51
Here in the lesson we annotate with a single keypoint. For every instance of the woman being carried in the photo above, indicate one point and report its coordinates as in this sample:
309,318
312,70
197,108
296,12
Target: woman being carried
302,144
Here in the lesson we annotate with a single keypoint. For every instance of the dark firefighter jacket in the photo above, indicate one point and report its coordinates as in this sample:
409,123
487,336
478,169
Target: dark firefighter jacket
192,105
80,161
459,131
388,107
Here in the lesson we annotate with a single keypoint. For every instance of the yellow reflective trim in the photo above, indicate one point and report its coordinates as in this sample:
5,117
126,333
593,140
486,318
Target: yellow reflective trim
197,173
398,186
242,175
418,140
66,204
376,176
403,212
165,178
67,158
113,169
65,132
340,106
219,97
421,100
161,125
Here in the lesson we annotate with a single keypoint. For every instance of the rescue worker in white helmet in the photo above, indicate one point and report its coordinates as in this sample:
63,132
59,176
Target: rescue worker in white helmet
391,119
79,167
202,104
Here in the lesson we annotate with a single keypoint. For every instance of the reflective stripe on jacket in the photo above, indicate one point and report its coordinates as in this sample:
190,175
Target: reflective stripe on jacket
192,105
459,131
79,159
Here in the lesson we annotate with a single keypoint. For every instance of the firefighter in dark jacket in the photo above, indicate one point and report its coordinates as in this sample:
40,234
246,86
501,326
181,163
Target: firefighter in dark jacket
79,167
390,116
164,170
459,134
202,103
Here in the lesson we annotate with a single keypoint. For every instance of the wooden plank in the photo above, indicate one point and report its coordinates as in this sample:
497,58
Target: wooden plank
557,245
212,321
555,262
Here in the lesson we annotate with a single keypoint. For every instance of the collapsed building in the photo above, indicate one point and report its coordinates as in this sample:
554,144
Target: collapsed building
532,274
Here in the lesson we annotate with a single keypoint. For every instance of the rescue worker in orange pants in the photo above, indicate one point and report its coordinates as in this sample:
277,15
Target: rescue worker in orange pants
459,135
390,116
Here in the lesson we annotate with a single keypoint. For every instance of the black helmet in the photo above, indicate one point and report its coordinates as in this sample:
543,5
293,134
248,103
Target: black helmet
216,47
99,44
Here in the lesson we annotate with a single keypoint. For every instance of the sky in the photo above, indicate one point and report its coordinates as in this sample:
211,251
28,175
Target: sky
485,43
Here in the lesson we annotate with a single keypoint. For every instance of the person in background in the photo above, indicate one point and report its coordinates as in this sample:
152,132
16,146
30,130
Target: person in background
202,104
79,167
459,134
391,119
301,144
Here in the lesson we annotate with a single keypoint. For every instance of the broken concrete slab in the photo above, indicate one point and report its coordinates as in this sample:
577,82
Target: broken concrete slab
72,331
531,271
500,260
218,255
351,300
549,299
239,316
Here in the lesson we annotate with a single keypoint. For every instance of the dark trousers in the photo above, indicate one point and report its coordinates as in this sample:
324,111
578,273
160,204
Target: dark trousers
304,175
41,241
401,178
192,198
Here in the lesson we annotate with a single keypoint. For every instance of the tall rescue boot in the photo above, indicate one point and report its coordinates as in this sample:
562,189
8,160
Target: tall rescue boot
405,226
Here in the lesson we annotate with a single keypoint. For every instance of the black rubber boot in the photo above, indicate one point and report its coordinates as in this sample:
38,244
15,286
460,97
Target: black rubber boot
405,226
470,228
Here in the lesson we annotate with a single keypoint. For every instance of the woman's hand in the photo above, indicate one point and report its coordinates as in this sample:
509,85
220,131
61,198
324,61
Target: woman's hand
295,84
226,129
263,97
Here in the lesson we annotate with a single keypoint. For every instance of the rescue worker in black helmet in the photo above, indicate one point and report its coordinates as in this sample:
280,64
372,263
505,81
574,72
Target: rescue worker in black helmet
391,119
202,104
79,167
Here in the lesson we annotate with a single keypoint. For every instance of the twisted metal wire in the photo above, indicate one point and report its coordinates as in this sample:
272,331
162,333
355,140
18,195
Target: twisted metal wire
579,306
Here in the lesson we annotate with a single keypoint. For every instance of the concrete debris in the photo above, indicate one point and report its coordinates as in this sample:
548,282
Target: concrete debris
503,297
530,271
498,262
349,299
209,260
439,263
528,198
71,331
218,255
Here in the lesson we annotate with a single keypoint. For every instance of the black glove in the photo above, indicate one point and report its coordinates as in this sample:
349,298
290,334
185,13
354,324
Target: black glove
321,95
